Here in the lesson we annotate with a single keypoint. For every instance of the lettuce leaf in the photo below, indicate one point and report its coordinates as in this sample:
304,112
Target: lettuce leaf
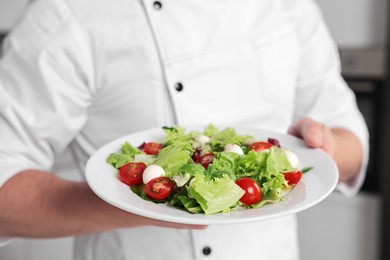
251,164
148,159
229,136
224,163
118,160
211,130
129,149
172,158
187,203
192,169
127,154
224,137
215,195
277,161
272,177
176,135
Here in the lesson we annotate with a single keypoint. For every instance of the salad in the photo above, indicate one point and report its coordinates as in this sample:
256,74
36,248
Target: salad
208,172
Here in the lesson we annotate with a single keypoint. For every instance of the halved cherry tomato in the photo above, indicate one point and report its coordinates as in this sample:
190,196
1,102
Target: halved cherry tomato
159,188
252,191
131,173
293,177
260,146
152,148
205,159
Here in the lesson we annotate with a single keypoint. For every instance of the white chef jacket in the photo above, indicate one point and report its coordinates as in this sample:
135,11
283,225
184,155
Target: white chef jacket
80,73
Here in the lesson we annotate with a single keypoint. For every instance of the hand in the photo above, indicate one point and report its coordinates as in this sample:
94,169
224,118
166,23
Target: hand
39,204
153,222
315,135
126,219
341,144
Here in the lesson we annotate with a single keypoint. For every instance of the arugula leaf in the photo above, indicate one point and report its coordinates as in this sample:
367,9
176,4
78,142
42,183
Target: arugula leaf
307,169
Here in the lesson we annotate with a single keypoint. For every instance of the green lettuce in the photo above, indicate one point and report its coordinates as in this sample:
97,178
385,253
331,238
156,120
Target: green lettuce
211,130
251,164
148,159
129,149
229,136
127,154
224,137
176,135
187,203
224,163
272,177
172,158
217,195
277,161
192,169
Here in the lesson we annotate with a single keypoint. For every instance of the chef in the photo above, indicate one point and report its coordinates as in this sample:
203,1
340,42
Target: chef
80,73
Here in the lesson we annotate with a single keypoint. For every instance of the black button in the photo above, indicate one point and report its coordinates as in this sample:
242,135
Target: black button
206,250
157,5
179,86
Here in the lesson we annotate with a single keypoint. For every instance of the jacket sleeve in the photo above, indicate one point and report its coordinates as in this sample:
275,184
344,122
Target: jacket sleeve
322,93
45,88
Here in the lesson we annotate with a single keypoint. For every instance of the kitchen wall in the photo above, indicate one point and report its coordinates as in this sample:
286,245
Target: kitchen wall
338,228
356,23
10,10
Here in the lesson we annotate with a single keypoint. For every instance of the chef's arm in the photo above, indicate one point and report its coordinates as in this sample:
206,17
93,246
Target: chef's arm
39,204
341,144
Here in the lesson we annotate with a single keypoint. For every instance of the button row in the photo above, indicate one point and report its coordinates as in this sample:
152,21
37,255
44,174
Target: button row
158,5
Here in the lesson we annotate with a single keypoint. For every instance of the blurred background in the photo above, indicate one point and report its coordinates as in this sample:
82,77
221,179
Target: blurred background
338,228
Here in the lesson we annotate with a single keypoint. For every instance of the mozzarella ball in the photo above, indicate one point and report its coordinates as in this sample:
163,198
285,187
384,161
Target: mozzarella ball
234,148
202,139
151,172
292,158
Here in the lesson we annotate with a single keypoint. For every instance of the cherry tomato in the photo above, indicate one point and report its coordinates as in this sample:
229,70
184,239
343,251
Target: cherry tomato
159,188
131,173
260,146
205,159
293,177
252,191
152,148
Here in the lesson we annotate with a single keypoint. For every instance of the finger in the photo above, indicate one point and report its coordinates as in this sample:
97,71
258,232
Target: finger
177,225
309,130
186,226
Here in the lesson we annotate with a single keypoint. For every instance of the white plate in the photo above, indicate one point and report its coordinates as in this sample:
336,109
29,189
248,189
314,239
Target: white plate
315,186
6,240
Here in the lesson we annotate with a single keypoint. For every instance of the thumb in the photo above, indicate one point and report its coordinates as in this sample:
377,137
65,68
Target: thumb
309,130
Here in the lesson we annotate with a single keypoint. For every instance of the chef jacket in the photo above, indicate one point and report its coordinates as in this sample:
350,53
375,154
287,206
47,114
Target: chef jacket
80,73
